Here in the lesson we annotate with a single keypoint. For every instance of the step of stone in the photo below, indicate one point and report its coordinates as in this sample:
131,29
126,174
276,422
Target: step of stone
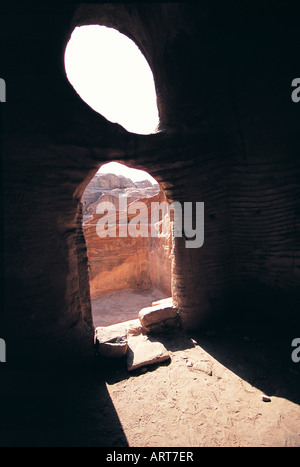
111,341
159,317
143,352
129,338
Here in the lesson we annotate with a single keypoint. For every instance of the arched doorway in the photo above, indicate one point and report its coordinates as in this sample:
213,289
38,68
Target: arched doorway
129,243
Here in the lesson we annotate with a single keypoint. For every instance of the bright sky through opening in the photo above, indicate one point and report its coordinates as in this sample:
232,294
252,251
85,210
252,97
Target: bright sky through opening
112,76
121,169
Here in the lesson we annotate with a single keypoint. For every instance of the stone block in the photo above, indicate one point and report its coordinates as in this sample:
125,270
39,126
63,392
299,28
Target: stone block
112,341
143,352
159,317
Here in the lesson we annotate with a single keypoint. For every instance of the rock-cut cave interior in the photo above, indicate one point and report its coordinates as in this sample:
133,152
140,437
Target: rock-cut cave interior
205,358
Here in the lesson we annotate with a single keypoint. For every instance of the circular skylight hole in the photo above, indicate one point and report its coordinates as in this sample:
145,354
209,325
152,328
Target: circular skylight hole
112,76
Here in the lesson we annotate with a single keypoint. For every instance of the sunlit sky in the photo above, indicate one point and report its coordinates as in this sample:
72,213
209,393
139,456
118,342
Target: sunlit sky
120,169
112,76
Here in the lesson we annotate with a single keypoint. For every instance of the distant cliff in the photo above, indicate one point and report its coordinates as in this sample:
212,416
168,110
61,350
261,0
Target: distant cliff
108,187
124,262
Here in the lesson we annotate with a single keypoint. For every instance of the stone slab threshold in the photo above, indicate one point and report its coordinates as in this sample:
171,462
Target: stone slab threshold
136,338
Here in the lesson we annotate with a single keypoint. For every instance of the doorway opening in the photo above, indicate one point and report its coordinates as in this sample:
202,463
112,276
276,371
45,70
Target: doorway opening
129,243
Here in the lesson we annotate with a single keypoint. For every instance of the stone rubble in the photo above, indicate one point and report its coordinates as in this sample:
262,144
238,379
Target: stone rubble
265,398
136,338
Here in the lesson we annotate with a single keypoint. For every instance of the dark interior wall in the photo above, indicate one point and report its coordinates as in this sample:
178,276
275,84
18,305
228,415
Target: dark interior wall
229,138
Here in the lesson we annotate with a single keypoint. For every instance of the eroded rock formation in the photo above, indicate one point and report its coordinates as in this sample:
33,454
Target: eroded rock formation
117,262
108,187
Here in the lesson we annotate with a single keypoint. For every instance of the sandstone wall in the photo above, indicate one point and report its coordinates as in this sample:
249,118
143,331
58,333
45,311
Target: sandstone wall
117,263
229,137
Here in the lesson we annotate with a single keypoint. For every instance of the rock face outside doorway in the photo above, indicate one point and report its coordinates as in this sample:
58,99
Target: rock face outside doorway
117,262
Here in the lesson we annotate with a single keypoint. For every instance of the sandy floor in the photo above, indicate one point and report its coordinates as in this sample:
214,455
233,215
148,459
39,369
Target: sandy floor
122,305
209,395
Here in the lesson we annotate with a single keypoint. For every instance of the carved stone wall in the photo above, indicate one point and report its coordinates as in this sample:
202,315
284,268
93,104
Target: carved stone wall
229,137
117,262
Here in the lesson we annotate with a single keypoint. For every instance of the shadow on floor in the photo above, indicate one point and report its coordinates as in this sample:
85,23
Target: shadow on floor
57,408
252,334
257,358
263,360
